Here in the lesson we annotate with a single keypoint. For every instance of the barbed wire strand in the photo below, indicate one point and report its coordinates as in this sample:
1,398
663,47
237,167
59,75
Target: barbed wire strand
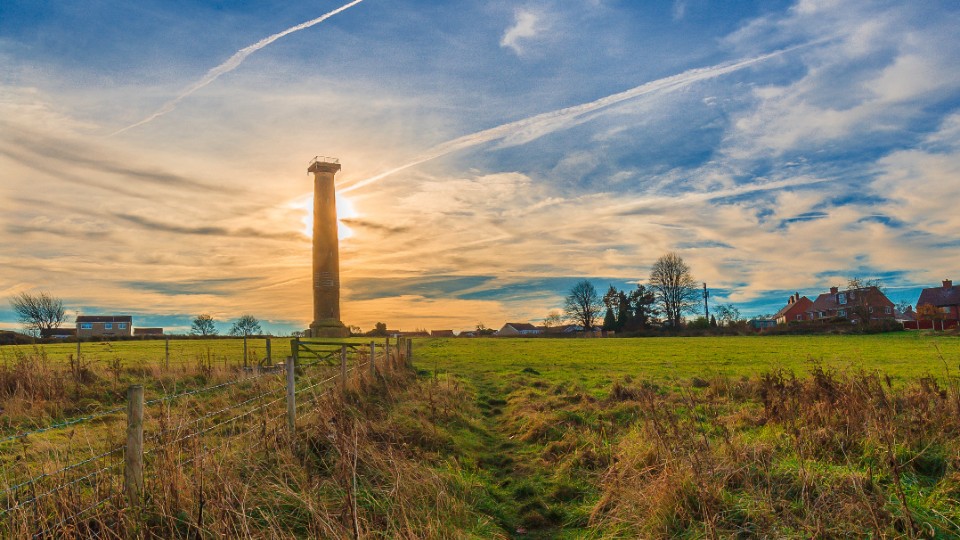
21,504
63,424
72,516
64,469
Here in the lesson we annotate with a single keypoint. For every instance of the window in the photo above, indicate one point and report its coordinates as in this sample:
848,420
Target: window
871,309
799,317
86,326
945,309
842,298
842,313
887,310
122,326
108,326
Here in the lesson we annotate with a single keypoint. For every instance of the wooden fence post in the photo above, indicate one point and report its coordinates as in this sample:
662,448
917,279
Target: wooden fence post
133,451
410,351
166,352
78,344
269,354
343,364
373,359
386,351
244,350
292,395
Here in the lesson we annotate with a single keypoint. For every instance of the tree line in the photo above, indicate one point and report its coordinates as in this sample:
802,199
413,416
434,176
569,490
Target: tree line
670,293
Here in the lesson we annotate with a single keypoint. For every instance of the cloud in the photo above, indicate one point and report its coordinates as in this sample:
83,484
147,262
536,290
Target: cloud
526,25
233,63
679,10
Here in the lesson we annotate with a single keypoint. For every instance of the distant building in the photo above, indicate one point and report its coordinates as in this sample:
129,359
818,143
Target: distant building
852,304
148,331
104,325
760,324
442,333
945,298
519,329
795,310
58,333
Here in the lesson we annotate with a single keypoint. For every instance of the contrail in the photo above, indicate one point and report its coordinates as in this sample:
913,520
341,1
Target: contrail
232,63
534,127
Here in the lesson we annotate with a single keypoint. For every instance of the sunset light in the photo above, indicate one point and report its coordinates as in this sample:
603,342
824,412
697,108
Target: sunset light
345,211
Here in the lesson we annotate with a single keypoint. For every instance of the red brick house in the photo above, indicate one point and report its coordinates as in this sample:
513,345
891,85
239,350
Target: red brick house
945,298
852,304
795,310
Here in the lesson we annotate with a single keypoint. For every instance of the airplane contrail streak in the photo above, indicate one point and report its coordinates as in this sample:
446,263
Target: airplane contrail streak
534,127
232,63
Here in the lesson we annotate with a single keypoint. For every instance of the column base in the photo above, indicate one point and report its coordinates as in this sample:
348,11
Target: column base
328,328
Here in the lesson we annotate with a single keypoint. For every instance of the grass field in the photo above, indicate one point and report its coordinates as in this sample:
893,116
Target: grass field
726,437
902,355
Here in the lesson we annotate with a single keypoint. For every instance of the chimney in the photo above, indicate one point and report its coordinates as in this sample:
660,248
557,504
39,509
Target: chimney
834,290
947,284
791,300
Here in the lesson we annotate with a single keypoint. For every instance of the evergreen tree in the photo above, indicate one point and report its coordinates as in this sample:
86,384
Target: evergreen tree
609,321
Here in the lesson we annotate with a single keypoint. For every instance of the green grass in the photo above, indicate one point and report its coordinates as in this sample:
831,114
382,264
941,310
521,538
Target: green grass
597,362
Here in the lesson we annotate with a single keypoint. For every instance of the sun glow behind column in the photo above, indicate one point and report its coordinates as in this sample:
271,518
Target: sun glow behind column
345,210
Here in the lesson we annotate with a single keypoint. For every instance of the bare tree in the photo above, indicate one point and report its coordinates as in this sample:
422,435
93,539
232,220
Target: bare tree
583,305
203,325
861,296
38,312
553,319
674,286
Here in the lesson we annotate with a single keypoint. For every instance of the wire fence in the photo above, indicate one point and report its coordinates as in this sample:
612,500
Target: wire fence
61,490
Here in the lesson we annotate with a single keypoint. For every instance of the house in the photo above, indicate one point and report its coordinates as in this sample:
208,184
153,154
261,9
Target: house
519,329
852,304
58,333
795,310
104,325
441,333
148,331
760,324
946,299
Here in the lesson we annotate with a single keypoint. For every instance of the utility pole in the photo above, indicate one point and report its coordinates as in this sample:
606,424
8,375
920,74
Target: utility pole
706,308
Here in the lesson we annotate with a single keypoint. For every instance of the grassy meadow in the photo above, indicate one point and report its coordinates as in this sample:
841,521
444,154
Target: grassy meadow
726,437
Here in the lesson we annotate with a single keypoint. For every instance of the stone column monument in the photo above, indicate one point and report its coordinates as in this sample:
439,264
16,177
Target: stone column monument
326,251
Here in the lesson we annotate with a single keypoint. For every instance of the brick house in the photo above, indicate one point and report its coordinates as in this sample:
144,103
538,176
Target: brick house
795,310
852,304
946,298
104,325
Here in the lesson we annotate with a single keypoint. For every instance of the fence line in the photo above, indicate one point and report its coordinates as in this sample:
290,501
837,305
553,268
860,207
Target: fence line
363,360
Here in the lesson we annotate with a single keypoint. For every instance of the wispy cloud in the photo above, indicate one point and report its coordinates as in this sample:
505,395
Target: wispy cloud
231,64
527,24
534,127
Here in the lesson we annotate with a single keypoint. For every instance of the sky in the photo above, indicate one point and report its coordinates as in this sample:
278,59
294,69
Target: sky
153,154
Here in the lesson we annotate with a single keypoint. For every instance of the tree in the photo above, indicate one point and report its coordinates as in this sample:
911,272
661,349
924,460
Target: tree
674,286
609,320
929,312
482,330
553,320
583,305
727,314
38,312
860,297
203,325
246,325
643,301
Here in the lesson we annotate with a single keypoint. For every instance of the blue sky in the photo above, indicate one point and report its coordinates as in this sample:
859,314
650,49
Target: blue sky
776,146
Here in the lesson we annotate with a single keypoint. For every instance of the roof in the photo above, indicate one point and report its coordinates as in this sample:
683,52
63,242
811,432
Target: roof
104,318
825,302
521,326
441,333
940,296
803,304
